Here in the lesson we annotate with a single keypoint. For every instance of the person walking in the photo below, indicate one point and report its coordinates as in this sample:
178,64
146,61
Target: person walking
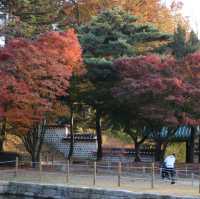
169,167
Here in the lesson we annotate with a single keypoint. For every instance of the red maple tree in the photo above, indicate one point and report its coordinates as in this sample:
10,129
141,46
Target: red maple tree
158,93
33,74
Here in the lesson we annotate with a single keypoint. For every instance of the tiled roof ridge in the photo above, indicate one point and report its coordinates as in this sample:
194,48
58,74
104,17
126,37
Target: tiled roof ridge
58,126
81,136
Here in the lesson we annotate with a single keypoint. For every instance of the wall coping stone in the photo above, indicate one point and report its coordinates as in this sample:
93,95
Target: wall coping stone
74,192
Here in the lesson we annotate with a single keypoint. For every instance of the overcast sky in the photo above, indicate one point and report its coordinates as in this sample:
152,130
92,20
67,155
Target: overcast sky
191,9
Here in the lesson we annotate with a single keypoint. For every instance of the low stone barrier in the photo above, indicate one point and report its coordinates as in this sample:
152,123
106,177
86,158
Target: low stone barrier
70,192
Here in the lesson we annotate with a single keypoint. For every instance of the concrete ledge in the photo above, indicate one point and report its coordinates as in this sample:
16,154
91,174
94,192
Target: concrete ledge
71,192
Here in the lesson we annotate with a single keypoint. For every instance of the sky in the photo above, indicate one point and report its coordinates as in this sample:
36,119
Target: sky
191,10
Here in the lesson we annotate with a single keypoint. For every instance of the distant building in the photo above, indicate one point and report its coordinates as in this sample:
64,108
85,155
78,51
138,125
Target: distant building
58,139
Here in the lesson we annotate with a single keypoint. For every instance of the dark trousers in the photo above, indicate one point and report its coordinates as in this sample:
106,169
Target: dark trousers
168,173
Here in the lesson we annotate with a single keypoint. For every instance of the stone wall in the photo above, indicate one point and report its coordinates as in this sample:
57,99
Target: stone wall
64,192
83,150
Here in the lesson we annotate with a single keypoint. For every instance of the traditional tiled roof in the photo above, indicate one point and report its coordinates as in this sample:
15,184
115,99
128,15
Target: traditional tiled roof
182,133
81,137
58,126
84,148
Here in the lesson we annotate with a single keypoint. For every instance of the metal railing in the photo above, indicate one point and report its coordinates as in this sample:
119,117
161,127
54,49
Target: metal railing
101,174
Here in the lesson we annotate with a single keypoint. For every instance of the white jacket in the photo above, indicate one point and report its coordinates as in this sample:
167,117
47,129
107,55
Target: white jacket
170,161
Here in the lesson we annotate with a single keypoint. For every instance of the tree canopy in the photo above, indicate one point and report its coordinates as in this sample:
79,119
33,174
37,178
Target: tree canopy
115,33
35,73
184,43
127,86
30,18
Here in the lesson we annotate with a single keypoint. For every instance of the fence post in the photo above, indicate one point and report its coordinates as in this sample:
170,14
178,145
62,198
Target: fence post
52,160
152,175
95,173
177,173
192,179
199,183
186,171
47,158
40,167
67,179
143,170
119,173
16,166
199,180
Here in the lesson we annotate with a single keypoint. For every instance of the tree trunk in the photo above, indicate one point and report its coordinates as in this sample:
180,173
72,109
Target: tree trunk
162,155
33,141
137,142
192,144
187,152
190,147
161,145
3,134
35,158
137,152
71,148
199,149
163,150
99,134
158,151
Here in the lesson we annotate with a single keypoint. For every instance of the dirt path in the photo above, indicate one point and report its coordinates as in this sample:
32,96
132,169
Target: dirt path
136,183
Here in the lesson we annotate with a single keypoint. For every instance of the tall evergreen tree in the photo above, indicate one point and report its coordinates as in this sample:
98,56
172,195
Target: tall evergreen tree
193,43
181,46
115,33
179,43
112,34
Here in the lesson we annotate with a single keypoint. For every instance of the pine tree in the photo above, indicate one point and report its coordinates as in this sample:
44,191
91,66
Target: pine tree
110,35
193,43
181,46
115,33
179,43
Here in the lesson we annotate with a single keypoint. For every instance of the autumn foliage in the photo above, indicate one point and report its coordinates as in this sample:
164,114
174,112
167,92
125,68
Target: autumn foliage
163,91
148,11
34,73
